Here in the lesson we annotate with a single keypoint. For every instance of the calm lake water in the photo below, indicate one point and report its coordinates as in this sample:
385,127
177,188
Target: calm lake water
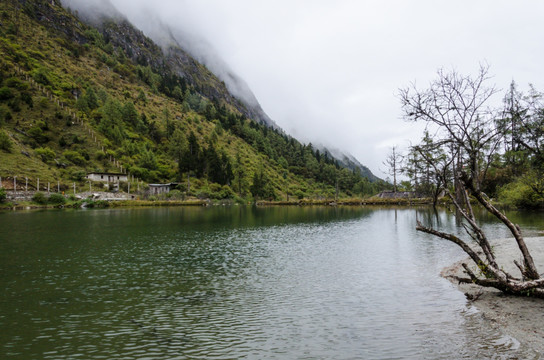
237,282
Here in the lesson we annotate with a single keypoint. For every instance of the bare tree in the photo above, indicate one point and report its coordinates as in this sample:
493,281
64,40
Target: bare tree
393,161
455,109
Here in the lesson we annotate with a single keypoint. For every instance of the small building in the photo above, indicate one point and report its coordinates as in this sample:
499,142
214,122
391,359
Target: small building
107,177
157,189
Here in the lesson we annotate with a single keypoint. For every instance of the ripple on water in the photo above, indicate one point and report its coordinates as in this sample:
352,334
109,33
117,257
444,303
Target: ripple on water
361,287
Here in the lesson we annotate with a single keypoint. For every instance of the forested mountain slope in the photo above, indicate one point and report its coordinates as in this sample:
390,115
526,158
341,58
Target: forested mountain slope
75,98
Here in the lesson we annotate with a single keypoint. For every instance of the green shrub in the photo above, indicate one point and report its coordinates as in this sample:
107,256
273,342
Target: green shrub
5,115
2,195
39,198
175,195
519,195
15,104
43,103
27,99
46,154
74,157
226,192
6,93
5,141
218,192
37,134
77,175
100,155
16,83
41,75
56,199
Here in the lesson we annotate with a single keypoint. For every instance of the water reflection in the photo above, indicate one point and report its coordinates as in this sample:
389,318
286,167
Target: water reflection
235,282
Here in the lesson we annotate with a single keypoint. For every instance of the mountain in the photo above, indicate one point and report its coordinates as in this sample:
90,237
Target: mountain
98,95
121,33
350,162
220,85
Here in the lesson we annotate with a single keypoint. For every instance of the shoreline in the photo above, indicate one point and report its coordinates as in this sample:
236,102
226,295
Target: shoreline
123,200
519,317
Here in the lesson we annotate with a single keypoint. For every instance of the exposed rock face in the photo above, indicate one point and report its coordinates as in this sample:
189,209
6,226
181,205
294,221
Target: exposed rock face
45,12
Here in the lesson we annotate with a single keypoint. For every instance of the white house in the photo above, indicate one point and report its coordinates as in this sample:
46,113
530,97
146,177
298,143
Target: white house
156,189
107,177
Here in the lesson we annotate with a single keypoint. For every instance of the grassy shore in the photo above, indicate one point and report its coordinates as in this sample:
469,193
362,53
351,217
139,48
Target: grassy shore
87,203
348,202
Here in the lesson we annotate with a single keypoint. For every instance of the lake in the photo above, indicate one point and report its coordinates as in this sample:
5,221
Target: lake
238,282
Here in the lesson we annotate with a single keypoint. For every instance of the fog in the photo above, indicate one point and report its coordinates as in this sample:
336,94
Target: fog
328,71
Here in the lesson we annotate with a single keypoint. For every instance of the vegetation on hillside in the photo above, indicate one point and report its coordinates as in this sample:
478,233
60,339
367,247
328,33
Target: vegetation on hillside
76,99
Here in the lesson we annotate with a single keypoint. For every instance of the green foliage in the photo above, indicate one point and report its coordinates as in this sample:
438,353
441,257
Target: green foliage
100,155
37,134
39,198
46,154
111,124
141,97
6,93
217,192
95,37
182,124
520,195
178,148
193,100
260,188
147,75
41,76
148,160
175,195
27,99
16,83
299,194
3,195
77,175
56,199
5,142
130,116
89,101
43,103
5,115
74,157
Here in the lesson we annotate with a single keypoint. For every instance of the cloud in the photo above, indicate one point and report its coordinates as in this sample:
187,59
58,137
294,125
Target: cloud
328,71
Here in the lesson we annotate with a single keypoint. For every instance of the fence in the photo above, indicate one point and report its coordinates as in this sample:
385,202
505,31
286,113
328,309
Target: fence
23,188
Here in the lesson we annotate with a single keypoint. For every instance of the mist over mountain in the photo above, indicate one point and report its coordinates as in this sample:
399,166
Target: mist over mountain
176,39
348,161
174,42
84,91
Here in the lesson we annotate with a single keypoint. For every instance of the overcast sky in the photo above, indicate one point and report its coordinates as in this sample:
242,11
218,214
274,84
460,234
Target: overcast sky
329,71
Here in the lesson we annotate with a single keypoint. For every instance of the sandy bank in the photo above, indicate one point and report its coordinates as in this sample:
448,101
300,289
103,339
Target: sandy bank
521,318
